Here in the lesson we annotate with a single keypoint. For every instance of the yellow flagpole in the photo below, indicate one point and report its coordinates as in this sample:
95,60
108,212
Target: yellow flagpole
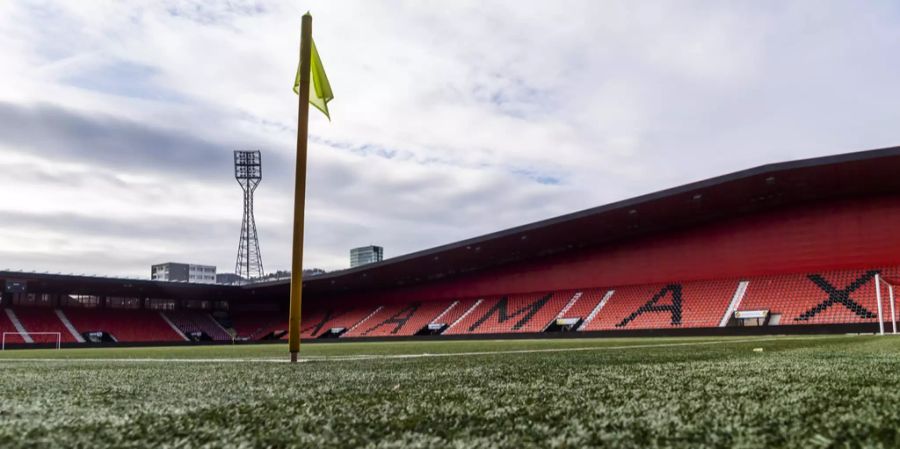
300,190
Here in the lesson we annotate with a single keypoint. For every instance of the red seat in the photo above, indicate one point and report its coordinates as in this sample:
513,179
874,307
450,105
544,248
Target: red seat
190,321
124,324
319,321
399,319
510,314
454,311
7,326
43,319
819,298
585,304
660,306
254,325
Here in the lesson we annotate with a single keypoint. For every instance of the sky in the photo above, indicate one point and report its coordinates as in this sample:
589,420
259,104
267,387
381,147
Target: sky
450,120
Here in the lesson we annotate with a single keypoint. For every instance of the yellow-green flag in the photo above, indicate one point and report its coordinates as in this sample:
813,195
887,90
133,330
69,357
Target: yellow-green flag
319,89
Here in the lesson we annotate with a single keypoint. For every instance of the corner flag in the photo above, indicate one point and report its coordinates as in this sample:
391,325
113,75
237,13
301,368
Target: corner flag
319,89
312,88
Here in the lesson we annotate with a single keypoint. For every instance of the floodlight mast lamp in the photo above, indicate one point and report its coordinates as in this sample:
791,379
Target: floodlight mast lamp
248,172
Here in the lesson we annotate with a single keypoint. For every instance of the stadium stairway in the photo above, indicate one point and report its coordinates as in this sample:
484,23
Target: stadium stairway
456,311
574,296
585,301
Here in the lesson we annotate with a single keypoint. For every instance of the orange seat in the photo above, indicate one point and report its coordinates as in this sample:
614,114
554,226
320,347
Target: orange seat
661,306
819,298
511,314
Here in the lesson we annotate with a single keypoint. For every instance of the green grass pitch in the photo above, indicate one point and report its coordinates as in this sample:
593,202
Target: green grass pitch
829,391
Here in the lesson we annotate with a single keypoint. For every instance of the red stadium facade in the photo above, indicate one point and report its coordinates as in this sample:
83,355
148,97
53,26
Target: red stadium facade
788,247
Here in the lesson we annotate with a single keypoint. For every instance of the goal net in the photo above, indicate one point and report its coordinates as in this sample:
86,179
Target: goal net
31,338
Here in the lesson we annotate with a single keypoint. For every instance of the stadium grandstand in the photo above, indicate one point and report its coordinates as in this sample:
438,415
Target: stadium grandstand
787,247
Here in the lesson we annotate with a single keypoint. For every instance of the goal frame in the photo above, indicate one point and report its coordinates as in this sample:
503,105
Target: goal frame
22,334
890,288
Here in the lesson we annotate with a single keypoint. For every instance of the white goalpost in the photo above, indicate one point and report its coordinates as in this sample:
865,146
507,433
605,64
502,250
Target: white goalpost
878,297
26,336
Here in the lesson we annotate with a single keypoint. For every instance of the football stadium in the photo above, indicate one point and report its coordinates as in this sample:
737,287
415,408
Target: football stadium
752,308
790,248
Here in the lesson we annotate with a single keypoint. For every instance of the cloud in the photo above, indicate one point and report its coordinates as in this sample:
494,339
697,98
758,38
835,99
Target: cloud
56,133
451,119
173,228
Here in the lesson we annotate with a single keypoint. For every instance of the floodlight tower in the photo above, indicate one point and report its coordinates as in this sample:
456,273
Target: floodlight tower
248,172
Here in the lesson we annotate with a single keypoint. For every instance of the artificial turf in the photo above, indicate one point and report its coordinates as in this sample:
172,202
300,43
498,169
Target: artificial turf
712,392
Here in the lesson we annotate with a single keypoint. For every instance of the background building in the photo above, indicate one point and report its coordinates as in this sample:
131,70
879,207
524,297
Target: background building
228,278
183,272
310,272
366,254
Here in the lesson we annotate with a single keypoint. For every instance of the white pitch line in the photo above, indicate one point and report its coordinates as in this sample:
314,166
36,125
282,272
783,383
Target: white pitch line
551,350
363,357
147,360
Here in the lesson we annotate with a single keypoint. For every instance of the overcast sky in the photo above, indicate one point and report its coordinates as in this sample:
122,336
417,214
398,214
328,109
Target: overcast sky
451,119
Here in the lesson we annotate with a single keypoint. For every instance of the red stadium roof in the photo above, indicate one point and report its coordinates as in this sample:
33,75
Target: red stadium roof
767,187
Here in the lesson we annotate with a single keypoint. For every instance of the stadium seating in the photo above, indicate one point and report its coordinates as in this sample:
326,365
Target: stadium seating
835,297
316,322
509,314
124,324
818,298
191,321
675,305
400,319
43,319
815,298
254,325
584,304
454,312
7,326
